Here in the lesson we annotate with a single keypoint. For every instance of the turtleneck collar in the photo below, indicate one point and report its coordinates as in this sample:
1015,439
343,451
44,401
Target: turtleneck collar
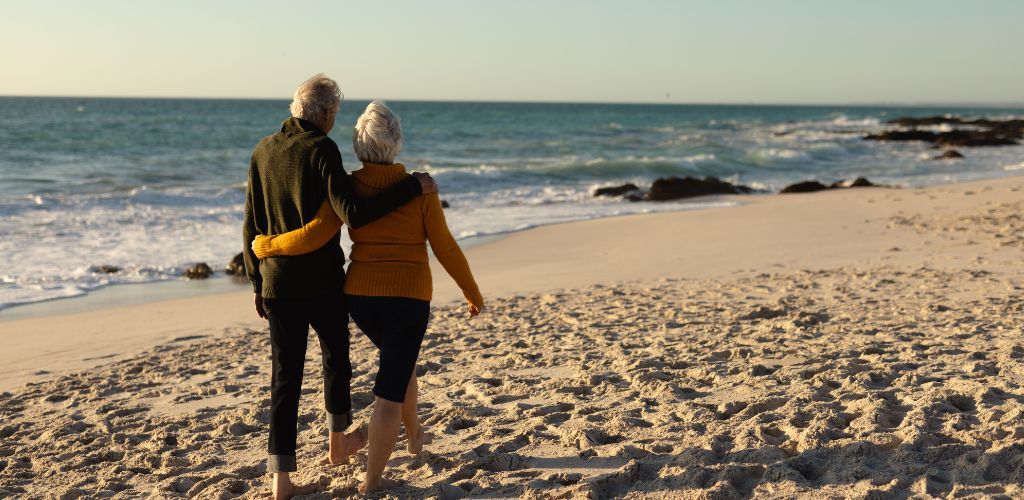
295,125
381,176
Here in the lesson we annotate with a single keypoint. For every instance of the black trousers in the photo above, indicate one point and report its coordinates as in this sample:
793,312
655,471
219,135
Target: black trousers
395,325
290,320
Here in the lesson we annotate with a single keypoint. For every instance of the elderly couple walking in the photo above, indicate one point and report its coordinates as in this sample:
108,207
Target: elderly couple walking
298,197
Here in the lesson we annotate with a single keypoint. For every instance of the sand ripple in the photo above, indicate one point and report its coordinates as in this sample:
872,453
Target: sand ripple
850,382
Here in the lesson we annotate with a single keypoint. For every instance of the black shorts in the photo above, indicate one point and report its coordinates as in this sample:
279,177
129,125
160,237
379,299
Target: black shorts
396,325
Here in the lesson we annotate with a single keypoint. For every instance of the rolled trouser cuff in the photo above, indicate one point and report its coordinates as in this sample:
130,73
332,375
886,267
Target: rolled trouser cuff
338,422
281,463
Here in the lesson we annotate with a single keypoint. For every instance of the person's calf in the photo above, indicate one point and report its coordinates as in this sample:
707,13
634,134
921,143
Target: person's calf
384,426
415,436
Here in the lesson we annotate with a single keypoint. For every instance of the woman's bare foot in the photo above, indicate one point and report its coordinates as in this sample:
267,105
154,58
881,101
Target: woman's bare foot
283,488
383,484
417,440
342,446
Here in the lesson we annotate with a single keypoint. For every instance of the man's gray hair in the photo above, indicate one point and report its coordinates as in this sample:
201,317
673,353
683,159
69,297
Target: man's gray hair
317,100
377,137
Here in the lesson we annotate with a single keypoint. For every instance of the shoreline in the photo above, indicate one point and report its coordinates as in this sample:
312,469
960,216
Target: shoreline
828,229
116,295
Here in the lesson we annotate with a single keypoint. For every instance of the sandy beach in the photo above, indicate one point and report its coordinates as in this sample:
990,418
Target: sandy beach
863,342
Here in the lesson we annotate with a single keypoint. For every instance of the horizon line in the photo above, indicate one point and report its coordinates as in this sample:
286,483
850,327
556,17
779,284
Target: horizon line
912,104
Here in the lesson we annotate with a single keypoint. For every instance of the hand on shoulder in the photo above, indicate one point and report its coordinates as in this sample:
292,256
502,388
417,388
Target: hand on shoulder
426,182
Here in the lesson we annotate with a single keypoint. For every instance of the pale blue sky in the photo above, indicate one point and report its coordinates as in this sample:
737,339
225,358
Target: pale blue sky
718,51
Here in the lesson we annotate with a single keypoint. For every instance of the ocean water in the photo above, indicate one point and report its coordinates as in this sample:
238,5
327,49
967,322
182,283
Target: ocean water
151,185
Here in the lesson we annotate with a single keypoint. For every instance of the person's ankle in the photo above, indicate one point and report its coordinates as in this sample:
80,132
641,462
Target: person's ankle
282,483
413,430
371,485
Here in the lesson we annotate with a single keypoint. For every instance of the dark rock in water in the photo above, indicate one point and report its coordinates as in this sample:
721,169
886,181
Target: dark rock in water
861,182
444,204
858,182
804,187
616,190
973,138
105,268
812,186
1011,128
902,135
926,121
950,138
949,154
980,132
673,188
236,267
198,271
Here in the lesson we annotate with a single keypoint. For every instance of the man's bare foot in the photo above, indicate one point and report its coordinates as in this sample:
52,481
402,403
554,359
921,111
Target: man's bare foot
342,445
284,489
380,485
417,440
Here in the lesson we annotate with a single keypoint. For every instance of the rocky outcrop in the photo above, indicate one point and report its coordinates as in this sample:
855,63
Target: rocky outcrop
902,135
812,186
979,132
1009,125
804,187
445,204
974,138
674,188
105,269
858,182
616,190
927,121
236,267
198,271
949,154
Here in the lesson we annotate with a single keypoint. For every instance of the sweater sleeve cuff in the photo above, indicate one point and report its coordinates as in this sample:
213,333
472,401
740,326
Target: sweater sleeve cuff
261,246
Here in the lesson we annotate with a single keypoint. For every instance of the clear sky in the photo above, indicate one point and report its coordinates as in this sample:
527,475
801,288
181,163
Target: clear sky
713,51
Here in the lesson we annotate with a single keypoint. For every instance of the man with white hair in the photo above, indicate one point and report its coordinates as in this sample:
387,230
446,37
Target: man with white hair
290,174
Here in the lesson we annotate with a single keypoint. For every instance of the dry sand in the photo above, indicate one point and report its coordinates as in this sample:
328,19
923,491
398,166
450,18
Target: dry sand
856,343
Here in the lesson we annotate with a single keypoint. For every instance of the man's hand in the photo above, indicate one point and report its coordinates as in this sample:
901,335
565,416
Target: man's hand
426,182
259,306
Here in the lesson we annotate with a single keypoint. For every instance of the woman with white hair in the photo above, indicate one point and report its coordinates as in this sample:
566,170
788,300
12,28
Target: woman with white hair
388,287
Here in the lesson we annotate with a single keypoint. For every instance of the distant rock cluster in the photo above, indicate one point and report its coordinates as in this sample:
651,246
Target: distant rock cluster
196,271
964,133
812,186
675,188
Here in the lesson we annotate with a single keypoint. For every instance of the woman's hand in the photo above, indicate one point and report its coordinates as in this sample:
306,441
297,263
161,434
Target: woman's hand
260,245
474,311
427,183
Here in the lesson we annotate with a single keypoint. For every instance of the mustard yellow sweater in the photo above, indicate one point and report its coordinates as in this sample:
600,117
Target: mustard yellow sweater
389,255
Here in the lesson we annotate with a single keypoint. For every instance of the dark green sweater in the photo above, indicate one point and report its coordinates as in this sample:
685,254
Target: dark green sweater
290,175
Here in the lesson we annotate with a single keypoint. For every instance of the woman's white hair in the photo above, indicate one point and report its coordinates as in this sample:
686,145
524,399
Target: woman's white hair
317,100
377,137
